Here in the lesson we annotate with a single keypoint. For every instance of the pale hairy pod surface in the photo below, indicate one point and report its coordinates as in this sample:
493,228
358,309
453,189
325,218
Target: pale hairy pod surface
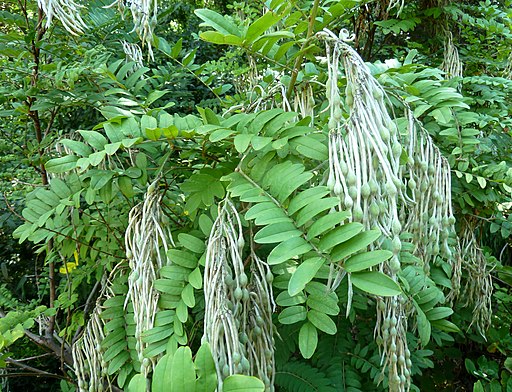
397,182
478,288
238,309
88,365
452,64
66,11
147,241
133,53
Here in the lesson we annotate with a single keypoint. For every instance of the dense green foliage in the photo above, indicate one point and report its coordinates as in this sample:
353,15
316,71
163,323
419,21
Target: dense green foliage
254,207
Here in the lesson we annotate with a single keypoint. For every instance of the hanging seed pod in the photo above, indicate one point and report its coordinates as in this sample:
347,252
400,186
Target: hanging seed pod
451,63
478,288
133,53
147,241
240,335
66,11
90,369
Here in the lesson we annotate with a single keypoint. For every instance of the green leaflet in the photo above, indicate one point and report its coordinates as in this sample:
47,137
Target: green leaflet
375,282
183,374
137,384
308,340
260,25
324,302
284,299
322,321
218,22
292,315
424,327
307,197
162,374
242,383
339,235
326,223
276,232
304,273
205,368
266,213
366,260
313,209
61,165
288,250
355,244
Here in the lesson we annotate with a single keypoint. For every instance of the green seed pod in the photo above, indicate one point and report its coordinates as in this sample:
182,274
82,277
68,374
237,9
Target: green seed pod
394,358
352,191
374,210
435,250
387,323
402,379
431,170
401,360
377,93
338,188
256,331
374,186
407,353
384,134
424,166
349,98
337,114
348,202
385,335
381,305
243,279
344,168
365,190
246,366
451,220
225,370
336,101
397,149
259,321
392,347
392,331
411,184
243,338
379,341
238,294
357,214
236,358
351,179
407,373
394,265
269,277
332,124
245,295
408,363
396,245
390,189
396,227
393,321
268,354
229,280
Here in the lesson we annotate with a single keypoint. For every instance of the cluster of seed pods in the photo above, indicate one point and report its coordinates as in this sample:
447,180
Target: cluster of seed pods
429,218
90,368
478,288
147,241
67,11
238,311
365,173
